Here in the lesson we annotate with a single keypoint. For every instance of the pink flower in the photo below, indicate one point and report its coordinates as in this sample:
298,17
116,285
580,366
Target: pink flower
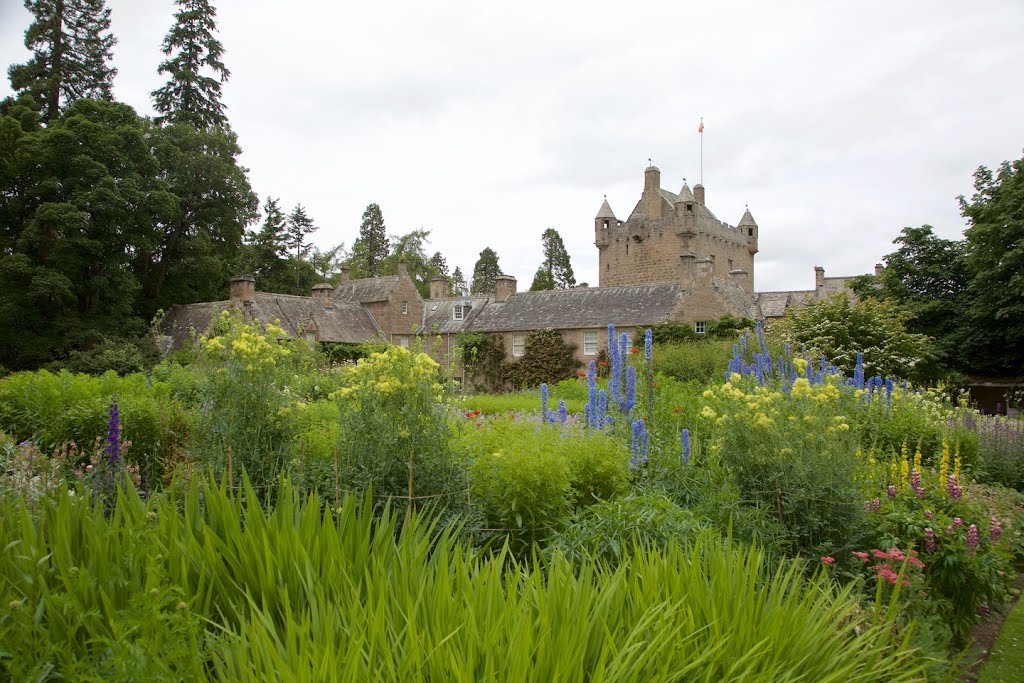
995,529
862,556
929,540
928,514
872,505
972,539
828,560
891,491
953,487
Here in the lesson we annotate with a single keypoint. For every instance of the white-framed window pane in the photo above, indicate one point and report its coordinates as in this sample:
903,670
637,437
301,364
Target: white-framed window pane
701,326
457,312
403,341
590,343
405,308
518,344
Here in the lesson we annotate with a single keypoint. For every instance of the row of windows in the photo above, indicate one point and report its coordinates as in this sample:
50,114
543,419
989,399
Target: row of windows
590,338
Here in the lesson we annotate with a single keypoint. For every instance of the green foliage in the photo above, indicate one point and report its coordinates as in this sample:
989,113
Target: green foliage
521,402
547,357
995,255
213,585
839,329
350,353
192,95
556,270
483,357
459,286
485,270
371,247
71,46
123,356
698,362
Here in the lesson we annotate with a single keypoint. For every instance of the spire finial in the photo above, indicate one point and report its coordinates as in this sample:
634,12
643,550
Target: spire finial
649,162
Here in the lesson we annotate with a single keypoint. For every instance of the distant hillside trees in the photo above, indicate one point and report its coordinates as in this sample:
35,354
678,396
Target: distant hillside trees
71,48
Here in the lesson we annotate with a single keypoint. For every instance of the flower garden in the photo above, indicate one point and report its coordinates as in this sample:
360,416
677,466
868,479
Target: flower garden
246,512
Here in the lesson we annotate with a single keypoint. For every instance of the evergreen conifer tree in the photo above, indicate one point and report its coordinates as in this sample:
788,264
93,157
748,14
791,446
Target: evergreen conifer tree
485,271
371,248
192,95
71,46
556,270
299,225
459,286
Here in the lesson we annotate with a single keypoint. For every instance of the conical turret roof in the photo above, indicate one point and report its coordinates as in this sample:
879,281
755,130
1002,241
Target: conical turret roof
606,210
747,220
685,194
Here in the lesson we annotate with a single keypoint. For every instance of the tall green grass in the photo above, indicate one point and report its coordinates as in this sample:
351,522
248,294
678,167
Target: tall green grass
210,586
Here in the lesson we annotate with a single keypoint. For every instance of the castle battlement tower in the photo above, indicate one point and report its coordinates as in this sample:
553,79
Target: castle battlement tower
666,234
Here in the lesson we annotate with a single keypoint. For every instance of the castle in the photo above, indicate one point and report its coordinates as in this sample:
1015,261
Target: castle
671,260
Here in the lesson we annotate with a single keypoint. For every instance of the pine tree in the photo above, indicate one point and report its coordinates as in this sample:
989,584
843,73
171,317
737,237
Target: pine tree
299,225
371,248
273,234
458,285
485,271
192,95
71,46
556,271
439,264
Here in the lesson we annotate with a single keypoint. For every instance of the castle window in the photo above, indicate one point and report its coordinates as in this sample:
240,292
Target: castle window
405,308
311,336
689,207
590,343
730,264
605,223
518,345
627,247
750,232
457,312
700,327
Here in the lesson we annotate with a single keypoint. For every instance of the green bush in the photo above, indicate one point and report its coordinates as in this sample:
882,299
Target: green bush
701,362
547,358
123,356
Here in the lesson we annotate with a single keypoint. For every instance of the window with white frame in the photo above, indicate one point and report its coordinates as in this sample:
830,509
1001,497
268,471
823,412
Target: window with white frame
701,326
403,341
518,344
405,308
457,312
590,343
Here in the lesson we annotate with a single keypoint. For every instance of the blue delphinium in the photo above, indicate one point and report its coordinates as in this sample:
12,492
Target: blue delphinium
113,434
563,412
591,408
602,408
685,436
760,338
544,402
629,401
638,445
648,345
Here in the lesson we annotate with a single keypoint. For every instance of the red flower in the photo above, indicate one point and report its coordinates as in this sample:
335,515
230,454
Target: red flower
677,409
468,413
601,363
634,350
582,373
828,560
862,556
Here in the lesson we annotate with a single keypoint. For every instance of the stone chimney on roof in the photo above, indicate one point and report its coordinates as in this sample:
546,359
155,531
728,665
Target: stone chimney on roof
504,286
322,293
439,287
878,269
403,268
819,278
243,289
703,270
343,271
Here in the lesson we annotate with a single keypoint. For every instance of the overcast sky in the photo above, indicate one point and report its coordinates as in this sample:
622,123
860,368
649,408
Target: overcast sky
837,122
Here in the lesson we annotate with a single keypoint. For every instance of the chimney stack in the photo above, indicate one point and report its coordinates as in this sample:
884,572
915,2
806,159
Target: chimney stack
878,269
243,289
322,293
698,193
403,269
705,268
343,271
504,286
439,287
819,278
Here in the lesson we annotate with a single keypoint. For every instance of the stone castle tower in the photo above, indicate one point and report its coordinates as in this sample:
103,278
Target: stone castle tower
673,238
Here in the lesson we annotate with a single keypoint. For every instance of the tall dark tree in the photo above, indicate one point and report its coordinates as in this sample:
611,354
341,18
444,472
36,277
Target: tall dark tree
264,254
556,271
485,271
458,286
439,264
194,62
71,49
995,253
371,248
299,226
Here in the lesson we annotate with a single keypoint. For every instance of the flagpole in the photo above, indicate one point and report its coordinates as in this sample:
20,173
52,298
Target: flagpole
701,131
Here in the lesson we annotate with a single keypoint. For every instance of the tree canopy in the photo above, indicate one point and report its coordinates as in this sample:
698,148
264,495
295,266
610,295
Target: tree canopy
555,272
194,62
372,247
71,48
485,271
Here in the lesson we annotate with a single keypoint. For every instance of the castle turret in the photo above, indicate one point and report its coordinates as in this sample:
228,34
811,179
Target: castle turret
652,201
603,222
748,226
686,213
698,193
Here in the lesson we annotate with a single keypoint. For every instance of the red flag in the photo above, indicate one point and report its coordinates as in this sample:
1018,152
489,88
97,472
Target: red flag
700,129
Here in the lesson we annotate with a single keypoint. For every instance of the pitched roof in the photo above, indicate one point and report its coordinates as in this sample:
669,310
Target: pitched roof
685,194
606,210
439,318
366,290
345,322
774,304
581,307
737,298
747,220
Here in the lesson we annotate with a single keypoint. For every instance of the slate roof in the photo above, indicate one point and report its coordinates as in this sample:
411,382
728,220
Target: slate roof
577,308
738,298
438,314
366,290
774,304
606,210
747,220
345,322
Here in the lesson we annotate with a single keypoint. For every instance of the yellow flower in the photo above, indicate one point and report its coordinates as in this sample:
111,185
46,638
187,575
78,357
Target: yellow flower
801,388
708,413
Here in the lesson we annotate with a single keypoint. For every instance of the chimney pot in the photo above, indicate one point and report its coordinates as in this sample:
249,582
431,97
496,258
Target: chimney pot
819,277
438,287
322,293
243,289
504,286
878,269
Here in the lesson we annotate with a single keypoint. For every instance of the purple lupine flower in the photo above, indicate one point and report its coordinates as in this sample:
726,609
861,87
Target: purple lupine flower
858,372
929,539
638,446
630,398
623,348
113,434
957,522
891,491
685,436
544,401
915,483
760,337
611,342
972,539
648,345
563,412
953,487
983,610
995,530
872,505
743,346
928,514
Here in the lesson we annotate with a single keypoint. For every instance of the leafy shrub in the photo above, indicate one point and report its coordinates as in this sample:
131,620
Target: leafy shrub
350,353
519,402
123,356
483,357
613,530
393,417
547,358
699,362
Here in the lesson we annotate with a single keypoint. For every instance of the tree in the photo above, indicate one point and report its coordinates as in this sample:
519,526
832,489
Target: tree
411,248
264,253
439,264
995,254
71,46
298,226
326,263
371,247
192,95
458,284
929,277
839,328
555,272
485,271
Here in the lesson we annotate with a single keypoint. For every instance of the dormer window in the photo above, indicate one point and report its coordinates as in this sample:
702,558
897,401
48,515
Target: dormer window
457,312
